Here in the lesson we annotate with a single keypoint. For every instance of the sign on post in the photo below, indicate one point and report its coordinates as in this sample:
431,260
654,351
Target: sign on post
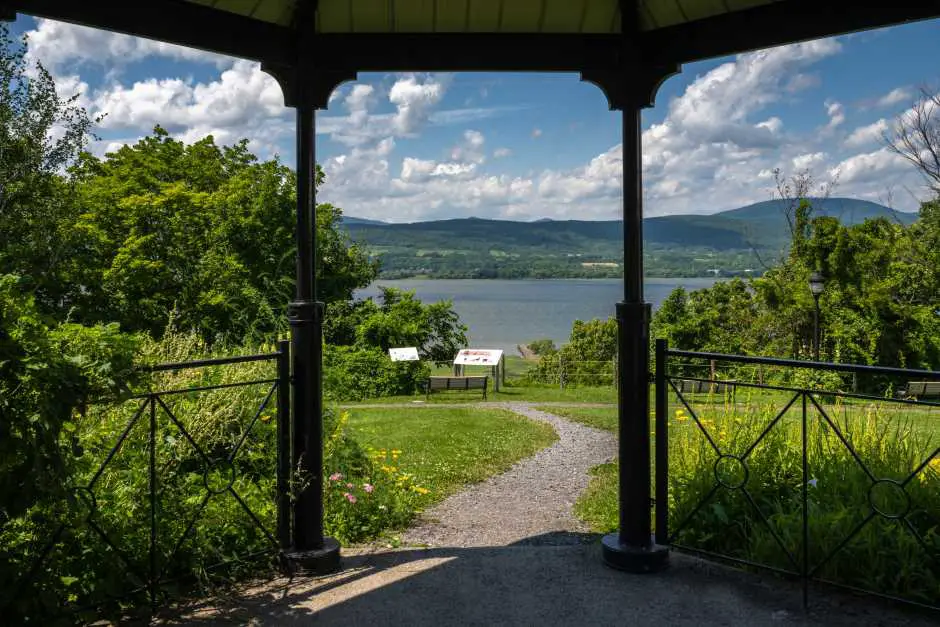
409,353
491,357
478,357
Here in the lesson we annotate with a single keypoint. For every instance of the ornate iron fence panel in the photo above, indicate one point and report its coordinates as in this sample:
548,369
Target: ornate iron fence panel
172,487
791,472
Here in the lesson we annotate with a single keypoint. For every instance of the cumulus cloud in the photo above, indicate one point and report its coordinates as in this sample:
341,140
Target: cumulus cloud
470,149
836,113
808,161
59,43
243,102
414,98
869,166
713,137
868,134
716,146
895,97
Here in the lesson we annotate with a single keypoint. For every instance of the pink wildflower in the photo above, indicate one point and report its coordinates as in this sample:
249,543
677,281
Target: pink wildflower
350,486
368,487
350,497
336,476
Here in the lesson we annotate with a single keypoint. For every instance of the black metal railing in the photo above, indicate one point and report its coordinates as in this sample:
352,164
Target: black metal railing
818,471
173,498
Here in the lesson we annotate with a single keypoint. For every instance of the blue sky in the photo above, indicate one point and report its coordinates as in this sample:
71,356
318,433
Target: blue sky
407,147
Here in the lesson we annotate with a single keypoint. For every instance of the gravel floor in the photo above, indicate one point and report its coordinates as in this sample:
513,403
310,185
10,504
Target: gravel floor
528,504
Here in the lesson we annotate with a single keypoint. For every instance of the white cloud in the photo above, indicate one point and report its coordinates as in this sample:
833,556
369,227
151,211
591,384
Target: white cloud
716,146
470,149
710,139
243,102
836,113
414,97
894,97
57,44
808,161
869,134
869,166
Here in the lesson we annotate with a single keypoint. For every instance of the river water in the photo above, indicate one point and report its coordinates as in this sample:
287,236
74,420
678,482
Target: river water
504,313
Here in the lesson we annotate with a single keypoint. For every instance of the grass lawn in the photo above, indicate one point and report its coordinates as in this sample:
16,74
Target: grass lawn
512,392
598,417
448,448
597,505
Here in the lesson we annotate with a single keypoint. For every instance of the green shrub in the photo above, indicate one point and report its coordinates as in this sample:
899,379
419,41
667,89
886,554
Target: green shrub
45,372
92,547
353,373
587,359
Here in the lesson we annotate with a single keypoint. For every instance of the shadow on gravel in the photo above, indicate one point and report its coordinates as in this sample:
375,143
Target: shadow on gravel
551,579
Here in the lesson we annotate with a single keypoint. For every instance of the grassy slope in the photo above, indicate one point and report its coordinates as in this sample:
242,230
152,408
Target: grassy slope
508,393
597,505
448,448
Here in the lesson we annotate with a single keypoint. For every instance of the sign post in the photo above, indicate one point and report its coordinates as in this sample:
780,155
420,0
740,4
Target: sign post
482,357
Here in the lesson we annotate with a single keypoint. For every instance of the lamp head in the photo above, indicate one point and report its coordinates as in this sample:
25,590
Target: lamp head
817,282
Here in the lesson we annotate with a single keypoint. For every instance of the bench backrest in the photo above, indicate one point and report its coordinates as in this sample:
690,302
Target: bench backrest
457,383
687,386
923,388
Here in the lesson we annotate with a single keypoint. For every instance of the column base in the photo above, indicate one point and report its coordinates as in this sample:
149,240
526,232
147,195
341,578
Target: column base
322,561
631,559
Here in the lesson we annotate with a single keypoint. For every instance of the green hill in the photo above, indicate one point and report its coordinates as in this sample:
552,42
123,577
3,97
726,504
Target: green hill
679,245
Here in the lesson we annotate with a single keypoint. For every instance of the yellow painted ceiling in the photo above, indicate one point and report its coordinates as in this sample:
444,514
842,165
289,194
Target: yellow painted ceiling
482,16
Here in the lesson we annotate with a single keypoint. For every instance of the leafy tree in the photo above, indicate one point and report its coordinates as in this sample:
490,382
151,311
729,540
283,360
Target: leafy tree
541,347
714,319
40,135
587,358
199,229
400,319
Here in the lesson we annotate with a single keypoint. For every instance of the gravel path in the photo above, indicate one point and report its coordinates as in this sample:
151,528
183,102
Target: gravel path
533,498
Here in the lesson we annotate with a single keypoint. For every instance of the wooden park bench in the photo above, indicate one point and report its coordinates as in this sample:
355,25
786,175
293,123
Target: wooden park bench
692,386
921,389
441,383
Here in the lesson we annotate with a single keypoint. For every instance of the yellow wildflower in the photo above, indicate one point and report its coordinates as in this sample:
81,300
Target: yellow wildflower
265,418
420,490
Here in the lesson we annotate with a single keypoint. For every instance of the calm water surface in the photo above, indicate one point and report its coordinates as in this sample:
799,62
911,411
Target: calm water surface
504,313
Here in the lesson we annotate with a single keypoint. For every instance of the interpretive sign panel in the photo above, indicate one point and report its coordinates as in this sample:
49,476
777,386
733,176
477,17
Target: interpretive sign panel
478,357
404,354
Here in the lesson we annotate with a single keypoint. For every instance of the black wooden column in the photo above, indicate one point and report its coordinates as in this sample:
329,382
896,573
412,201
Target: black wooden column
307,86
310,549
632,548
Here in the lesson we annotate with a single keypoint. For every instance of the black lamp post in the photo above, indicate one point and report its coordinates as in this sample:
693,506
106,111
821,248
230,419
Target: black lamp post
817,283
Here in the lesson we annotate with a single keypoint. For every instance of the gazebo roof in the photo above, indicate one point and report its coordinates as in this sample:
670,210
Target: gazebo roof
529,35
484,16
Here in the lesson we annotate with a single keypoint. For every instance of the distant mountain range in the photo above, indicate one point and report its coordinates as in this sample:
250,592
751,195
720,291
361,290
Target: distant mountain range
698,243
760,225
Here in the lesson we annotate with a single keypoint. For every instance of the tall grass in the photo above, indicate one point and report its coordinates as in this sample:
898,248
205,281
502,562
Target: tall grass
873,454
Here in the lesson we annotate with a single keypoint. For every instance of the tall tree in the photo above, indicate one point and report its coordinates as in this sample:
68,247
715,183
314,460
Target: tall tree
41,134
201,230
915,136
